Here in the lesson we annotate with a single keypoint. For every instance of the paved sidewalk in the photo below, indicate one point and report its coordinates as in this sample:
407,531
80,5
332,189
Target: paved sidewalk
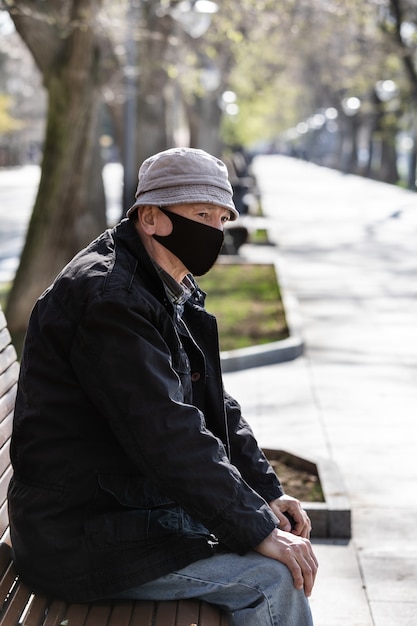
346,249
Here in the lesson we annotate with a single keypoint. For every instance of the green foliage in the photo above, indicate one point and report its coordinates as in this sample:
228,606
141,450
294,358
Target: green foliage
289,59
7,121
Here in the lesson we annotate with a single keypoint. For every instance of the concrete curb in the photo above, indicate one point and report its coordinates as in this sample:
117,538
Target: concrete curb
276,352
330,519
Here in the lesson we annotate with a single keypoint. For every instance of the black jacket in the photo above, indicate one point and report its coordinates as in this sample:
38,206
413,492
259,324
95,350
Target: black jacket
129,458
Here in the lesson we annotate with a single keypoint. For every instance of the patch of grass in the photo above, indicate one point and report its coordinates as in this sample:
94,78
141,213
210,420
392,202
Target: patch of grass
260,236
246,301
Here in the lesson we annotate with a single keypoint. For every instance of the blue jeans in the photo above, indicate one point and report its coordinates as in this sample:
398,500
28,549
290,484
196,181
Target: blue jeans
253,589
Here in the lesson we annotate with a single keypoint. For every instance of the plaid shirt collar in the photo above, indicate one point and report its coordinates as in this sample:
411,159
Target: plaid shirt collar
178,293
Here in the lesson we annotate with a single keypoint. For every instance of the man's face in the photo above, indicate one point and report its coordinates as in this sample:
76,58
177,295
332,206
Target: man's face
195,235
188,241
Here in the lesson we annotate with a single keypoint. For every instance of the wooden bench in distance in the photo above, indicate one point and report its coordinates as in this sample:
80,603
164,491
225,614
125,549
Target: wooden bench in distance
18,605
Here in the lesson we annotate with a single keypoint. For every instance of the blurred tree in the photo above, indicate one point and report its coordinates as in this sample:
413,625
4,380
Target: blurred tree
69,210
398,19
259,74
301,58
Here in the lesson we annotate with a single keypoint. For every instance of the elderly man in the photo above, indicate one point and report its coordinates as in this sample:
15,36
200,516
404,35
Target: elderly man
135,475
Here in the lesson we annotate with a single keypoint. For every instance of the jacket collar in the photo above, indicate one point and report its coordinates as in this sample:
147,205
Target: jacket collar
126,233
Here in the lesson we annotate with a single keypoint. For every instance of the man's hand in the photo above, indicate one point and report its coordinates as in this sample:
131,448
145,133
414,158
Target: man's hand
286,504
296,553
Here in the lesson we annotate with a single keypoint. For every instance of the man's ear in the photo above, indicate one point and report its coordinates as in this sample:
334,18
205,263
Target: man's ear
147,219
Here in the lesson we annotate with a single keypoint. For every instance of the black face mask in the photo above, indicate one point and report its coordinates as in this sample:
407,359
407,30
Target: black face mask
195,244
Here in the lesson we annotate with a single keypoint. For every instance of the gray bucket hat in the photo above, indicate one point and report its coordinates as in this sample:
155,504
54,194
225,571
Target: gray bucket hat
184,176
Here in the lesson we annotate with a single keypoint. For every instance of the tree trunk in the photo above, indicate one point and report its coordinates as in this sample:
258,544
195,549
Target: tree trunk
69,210
205,122
389,169
412,159
145,131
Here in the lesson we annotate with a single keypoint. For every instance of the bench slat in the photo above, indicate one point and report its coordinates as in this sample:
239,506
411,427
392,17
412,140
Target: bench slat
7,583
209,615
15,605
98,615
36,611
3,322
8,377
55,615
166,613
4,455
75,615
5,338
142,614
4,483
121,613
7,357
7,403
4,521
188,611
5,558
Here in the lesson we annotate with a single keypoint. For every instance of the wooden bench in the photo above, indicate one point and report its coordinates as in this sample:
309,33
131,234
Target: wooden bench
18,605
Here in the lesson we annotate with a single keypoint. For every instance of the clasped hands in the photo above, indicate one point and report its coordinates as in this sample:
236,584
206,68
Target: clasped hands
292,546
